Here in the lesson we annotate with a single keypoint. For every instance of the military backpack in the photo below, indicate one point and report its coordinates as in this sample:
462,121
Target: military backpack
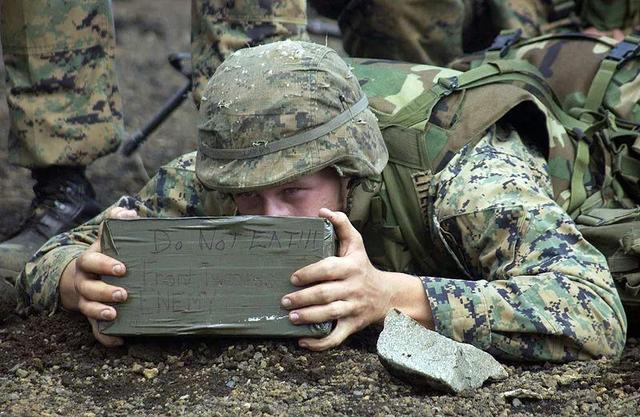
576,96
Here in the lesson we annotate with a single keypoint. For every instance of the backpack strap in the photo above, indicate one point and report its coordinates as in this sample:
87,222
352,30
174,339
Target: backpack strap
617,57
409,198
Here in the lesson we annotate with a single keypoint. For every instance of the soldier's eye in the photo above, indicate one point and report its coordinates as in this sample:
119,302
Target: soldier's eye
248,194
291,191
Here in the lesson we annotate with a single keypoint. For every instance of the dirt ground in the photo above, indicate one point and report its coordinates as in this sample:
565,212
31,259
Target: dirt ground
51,366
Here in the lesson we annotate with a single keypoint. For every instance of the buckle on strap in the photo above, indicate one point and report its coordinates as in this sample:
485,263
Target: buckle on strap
624,50
504,41
450,84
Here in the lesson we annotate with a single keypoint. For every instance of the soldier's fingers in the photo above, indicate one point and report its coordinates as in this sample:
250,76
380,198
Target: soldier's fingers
348,235
321,313
342,330
113,213
121,213
328,269
108,341
96,310
100,264
315,295
97,290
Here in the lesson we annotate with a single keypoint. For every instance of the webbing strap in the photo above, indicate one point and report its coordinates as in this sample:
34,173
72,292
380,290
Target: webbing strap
419,109
514,70
619,54
580,166
406,208
263,147
599,85
628,165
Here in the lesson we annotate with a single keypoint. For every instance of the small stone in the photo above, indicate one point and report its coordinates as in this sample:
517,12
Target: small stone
150,373
424,357
22,373
136,368
516,402
38,363
525,393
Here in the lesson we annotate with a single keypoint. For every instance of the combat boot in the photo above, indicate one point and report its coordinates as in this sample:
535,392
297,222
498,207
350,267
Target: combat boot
63,199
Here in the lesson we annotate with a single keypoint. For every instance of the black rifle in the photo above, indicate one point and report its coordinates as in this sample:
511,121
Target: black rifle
177,60
133,142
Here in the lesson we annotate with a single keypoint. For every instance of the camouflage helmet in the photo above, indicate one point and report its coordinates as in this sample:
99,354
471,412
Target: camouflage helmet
276,112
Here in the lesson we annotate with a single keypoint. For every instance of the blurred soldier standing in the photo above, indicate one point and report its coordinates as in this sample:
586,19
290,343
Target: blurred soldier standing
425,31
437,31
64,108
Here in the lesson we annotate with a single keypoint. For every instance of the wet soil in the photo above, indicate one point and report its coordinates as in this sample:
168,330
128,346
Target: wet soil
52,366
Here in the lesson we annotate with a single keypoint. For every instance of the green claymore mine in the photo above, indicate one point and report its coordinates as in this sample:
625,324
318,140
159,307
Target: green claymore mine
212,276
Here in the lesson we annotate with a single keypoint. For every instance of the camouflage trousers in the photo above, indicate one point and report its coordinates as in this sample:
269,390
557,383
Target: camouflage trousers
61,84
62,91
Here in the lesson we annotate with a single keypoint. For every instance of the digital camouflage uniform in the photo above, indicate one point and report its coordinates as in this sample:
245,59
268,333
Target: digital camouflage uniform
532,287
63,98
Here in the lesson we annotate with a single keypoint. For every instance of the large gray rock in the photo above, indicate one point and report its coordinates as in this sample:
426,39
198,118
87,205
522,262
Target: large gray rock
423,357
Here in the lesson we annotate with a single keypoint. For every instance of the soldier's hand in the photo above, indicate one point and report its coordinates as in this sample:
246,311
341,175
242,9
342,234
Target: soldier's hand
346,288
616,34
81,288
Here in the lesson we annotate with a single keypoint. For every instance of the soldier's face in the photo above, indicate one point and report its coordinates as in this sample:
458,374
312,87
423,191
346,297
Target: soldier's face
303,197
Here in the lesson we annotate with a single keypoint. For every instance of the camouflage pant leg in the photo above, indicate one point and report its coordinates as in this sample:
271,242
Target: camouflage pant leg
528,15
424,31
429,31
220,27
63,98
610,14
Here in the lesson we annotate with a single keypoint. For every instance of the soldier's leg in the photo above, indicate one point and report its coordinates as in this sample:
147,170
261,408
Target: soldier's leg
220,27
64,107
428,31
528,15
422,31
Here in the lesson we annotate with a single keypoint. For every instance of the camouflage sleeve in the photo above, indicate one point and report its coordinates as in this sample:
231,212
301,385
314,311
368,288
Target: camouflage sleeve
538,289
62,91
174,191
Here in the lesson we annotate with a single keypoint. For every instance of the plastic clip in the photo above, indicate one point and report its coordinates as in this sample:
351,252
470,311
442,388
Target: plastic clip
504,41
